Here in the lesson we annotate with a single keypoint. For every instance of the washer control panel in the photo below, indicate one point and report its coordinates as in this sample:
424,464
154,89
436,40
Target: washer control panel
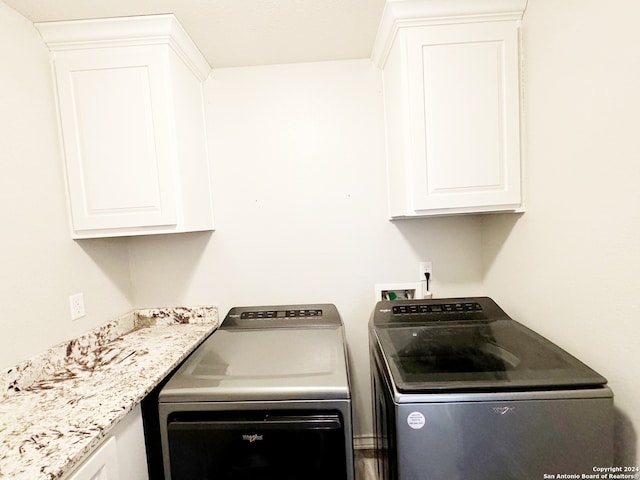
437,308
282,313
282,316
401,312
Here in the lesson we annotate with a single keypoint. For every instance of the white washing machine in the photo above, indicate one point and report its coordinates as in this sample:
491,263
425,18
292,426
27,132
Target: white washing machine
265,397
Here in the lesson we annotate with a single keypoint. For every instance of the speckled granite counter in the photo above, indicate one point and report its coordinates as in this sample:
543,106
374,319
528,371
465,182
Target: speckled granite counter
56,408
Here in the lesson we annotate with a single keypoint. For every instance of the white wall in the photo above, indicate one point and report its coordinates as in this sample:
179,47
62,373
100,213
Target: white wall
569,266
300,204
39,263
298,153
298,156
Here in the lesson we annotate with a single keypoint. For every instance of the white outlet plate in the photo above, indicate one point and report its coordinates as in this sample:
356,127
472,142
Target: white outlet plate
425,267
76,306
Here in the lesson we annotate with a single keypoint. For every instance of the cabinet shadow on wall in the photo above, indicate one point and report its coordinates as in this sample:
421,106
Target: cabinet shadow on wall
457,243
111,257
496,228
168,261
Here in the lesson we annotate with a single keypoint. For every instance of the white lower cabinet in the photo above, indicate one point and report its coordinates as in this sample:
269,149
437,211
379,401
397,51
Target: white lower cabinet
452,106
122,456
101,465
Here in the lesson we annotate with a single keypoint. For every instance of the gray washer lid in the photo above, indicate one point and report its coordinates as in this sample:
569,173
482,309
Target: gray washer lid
267,364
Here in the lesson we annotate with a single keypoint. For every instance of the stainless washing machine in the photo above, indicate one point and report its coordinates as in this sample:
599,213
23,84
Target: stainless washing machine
463,392
265,397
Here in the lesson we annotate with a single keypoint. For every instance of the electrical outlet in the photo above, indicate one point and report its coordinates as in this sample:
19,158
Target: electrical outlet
424,268
76,305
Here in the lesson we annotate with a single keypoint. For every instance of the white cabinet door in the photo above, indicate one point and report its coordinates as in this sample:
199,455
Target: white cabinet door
131,108
452,105
115,117
132,454
121,457
101,465
464,117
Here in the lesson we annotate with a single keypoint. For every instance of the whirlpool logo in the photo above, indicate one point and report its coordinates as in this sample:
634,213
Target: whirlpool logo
252,438
503,410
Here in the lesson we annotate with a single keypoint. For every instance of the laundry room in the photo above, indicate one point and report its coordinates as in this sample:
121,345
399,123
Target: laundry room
297,145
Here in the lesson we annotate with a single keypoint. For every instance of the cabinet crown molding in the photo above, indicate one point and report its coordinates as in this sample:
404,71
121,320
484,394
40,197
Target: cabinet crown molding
125,31
399,14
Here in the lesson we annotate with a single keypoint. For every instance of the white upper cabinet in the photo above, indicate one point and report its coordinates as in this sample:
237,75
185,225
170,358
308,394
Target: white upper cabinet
132,121
452,105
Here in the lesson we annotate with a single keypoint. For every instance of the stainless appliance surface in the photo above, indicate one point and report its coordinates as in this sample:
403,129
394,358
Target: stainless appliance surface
462,391
267,396
245,365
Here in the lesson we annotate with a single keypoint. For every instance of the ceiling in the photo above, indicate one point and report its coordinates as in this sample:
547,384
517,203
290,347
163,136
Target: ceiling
232,33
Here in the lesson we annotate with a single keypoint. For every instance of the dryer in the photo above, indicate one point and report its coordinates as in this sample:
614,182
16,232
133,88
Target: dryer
267,396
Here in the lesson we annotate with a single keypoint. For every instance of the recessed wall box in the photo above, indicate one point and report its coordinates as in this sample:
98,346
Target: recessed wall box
400,291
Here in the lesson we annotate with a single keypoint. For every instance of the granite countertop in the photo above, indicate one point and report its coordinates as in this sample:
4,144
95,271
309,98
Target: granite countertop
57,407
